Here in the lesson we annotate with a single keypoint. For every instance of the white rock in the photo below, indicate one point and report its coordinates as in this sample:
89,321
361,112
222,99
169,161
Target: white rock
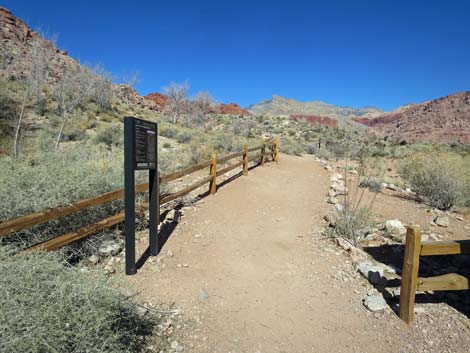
375,303
442,221
169,253
109,247
392,187
395,228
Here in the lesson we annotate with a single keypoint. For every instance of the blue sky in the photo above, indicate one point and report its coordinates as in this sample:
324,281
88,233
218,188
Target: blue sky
384,53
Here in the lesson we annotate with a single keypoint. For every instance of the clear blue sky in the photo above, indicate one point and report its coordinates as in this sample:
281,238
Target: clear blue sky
381,52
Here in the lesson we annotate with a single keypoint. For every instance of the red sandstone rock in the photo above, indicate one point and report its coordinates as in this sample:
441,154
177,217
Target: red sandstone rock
232,109
444,120
159,99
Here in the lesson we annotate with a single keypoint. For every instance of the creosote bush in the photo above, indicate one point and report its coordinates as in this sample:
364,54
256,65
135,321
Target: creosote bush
48,306
442,179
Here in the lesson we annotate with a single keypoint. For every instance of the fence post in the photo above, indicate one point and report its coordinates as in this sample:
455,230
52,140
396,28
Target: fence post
409,277
276,150
319,143
263,149
245,160
213,183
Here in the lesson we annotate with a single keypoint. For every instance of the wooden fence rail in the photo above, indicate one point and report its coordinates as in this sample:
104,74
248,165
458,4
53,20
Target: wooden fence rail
411,283
17,224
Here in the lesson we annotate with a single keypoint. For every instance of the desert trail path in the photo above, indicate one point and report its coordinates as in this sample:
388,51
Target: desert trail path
251,271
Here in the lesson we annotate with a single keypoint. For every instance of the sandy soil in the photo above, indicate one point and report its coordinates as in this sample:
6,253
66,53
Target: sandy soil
252,272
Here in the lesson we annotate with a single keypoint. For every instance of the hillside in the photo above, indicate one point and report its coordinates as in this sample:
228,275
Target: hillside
278,105
442,120
16,41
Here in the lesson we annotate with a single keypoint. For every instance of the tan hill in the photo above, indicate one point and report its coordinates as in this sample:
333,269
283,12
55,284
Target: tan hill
315,120
443,120
278,105
16,40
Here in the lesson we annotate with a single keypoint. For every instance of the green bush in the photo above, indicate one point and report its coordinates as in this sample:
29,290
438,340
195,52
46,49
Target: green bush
58,178
372,184
47,306
184,137
290,146
109,135
442,179
168,132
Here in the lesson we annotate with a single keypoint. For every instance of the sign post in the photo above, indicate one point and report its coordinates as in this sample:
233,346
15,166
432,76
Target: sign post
140,153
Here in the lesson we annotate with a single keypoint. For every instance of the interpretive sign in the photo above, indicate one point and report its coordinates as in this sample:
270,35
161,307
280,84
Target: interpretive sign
145,135
140,153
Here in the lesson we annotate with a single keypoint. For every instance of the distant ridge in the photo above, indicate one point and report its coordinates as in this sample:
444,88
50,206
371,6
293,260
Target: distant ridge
279,105
442,120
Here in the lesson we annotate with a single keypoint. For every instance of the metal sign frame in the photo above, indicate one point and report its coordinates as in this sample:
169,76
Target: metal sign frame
140,153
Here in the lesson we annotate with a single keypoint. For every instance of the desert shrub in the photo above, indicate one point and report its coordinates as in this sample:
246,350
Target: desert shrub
47,306
290,146
109,135
225,143
58,178
169,132
184,137
352,214
372,184
323,153
442,179
167,145
44,141
198,154
311,148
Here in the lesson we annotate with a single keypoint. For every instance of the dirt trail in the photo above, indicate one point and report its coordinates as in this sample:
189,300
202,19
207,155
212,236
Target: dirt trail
252,272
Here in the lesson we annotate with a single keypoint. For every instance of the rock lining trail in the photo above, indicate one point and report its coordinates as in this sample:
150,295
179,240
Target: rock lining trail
252,272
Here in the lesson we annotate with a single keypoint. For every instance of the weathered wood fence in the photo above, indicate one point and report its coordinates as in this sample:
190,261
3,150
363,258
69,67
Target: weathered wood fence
266,150
411,283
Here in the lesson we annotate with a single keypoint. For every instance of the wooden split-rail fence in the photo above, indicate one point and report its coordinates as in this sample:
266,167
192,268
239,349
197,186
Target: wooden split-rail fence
268,149
411,282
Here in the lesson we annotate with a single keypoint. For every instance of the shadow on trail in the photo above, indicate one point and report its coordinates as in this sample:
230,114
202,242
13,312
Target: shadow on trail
429,266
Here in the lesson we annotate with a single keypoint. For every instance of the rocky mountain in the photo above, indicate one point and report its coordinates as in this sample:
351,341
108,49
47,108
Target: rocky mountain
278,105
443,120
16,41
231,109
161,102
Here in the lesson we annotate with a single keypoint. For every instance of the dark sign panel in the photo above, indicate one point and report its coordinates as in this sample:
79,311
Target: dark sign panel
145,137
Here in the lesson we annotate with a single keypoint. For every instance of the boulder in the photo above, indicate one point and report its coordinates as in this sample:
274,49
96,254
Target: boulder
395,228
442,221
373,273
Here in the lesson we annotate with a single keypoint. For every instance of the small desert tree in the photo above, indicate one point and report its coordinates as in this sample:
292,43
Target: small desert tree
39,54
102,88
177,98
75,87
203,102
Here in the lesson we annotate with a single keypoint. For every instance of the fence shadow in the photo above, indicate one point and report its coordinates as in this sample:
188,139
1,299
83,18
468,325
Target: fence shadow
392,255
